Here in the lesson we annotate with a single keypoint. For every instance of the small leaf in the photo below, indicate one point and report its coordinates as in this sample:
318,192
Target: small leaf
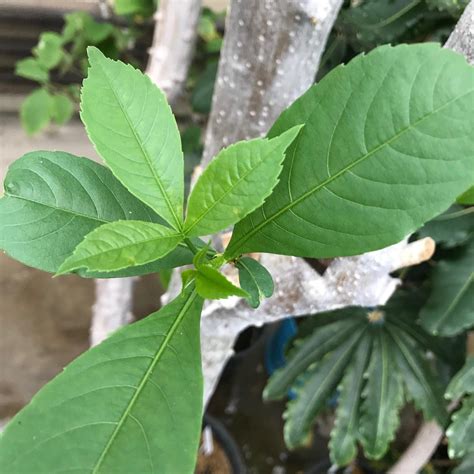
461,430
452,228
318,384
35,111
132,404
213,285
421,385
467,198
49,50
383,399
133,7
132,127
61,108
450,307
387,145
53,200
235,183
343,444
31,68
462,382
121,244
255,279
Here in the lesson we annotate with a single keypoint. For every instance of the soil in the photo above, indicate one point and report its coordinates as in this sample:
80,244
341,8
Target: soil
214,463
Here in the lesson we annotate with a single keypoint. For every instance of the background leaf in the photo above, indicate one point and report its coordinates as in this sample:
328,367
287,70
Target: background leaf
132,127
53,200
387,145
131,404
122,244
450,307
31,68
462,382
61,108
452,228
49,50
461,430
35,111
235,183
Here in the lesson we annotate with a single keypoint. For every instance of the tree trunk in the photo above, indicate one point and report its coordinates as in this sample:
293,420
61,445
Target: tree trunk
170,57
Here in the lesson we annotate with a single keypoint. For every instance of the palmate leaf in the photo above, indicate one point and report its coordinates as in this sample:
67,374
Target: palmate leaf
122,407
235,183
466,466
120,245
397,367
309,351
383,398
344,436
353,182
421,385
54,199
450,307
133,129
255,279
317,385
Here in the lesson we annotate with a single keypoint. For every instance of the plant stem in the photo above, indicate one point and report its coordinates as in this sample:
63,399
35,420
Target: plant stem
191,246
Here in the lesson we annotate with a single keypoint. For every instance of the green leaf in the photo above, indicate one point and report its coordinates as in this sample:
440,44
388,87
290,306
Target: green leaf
61,108
452,228
133,7
122,244
450,307
467,465
255,279
420,383
213,285
133,129
462,382
235,183
343,444
35,111
53,200
309,351
460,432
387,145
131,404
383,398
317,386
31,68
49,50
467,198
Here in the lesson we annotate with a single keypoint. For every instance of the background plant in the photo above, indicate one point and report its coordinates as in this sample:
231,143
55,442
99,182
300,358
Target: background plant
132,216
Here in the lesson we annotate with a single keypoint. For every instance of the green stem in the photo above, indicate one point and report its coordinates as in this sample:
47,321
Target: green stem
191,246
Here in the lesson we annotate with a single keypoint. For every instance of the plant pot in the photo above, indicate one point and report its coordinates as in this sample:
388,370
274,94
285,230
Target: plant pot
225,457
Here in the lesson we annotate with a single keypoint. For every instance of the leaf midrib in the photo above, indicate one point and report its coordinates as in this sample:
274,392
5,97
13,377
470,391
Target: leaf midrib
57,208
123,247
144,380
268,219
177,222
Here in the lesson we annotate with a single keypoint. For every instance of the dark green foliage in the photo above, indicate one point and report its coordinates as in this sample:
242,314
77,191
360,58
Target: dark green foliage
347,344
